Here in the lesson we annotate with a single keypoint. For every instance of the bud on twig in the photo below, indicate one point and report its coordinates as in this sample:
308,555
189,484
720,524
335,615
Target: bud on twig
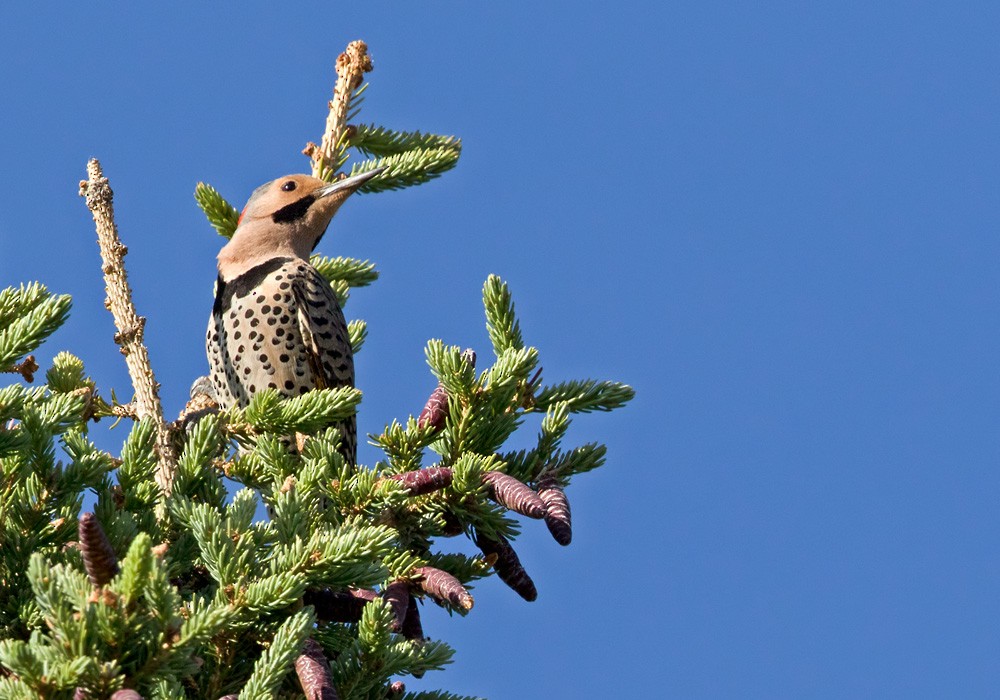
314,674
508,566
98,557
557,515
421,481
441,585
514,495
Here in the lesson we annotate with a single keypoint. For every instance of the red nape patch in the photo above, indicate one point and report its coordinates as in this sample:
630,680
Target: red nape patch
240,220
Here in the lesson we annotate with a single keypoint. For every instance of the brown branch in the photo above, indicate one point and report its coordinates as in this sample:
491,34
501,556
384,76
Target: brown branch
351,67
129,324
26,368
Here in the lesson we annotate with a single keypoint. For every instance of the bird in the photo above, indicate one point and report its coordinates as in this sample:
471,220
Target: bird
276,322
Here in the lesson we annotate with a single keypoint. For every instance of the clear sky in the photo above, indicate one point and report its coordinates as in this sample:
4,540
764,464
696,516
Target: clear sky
778,223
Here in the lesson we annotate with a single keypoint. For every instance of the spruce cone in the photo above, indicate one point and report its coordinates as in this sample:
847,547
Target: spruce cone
98,557
423,481
125,694
508,566
412,629
338,606
231,696
397,688
397,594
514,495
452,525
443,586
557,515
435,410
314,674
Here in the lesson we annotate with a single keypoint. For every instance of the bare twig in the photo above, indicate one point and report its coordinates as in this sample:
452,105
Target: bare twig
351,67
26,368
130,325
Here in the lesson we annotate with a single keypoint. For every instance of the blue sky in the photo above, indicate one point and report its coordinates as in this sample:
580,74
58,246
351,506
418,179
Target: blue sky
778,223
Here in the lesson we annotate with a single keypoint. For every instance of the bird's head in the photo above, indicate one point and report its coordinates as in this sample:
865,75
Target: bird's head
285,218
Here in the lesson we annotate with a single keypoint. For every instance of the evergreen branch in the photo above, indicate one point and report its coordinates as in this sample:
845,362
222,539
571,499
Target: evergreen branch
136,568
375,140
407,169
270,412
66,374
277,660
451,367
16,301
357,333
504,330
438,695
356,273
28,315
130,325
351,67
223,216
586,396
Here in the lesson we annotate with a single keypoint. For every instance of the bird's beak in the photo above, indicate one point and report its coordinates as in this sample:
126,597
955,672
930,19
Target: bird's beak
351,183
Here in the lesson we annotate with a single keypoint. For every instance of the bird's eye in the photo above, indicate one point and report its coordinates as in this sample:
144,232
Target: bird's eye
288,186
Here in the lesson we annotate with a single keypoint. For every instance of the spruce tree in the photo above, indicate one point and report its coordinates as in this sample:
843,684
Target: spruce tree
171,587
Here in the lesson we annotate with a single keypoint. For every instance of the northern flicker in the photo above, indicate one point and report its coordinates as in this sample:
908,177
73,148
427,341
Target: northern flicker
276,322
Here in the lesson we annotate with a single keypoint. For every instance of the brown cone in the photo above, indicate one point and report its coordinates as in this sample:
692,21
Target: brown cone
557,514
98,557
423,481
397,594
508,566
514,495
314,674
338,606
443,586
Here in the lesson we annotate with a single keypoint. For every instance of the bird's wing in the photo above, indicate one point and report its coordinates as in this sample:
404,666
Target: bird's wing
323,329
